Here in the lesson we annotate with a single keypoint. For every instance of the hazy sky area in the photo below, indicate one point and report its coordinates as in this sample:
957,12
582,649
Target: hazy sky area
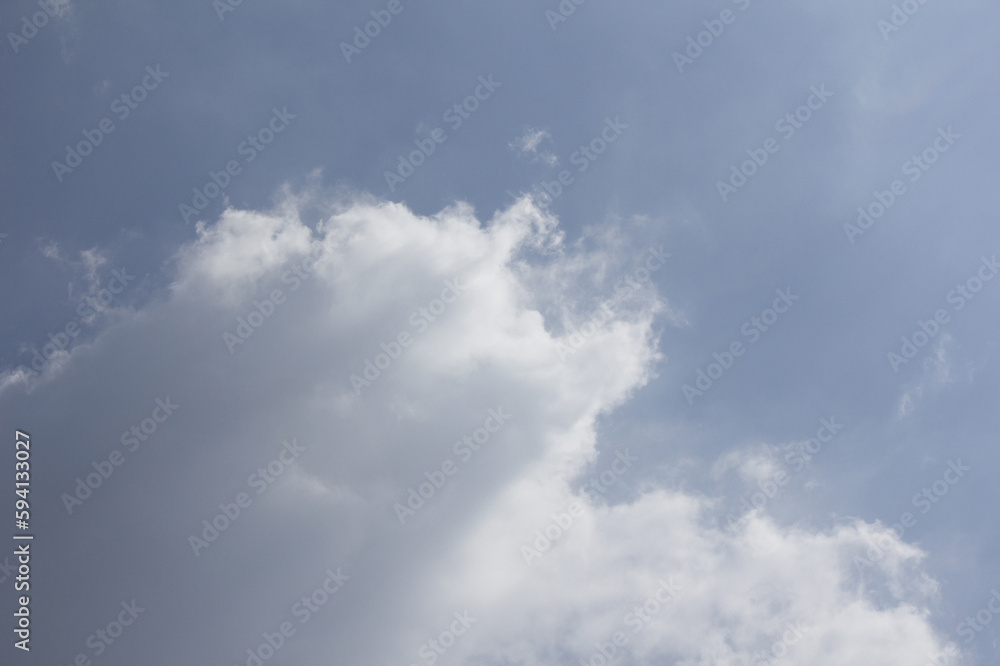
548,333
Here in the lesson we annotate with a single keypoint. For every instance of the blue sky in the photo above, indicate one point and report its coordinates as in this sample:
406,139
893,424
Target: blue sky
788,209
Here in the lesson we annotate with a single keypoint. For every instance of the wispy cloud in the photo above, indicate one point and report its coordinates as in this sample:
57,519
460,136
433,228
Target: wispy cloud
529,143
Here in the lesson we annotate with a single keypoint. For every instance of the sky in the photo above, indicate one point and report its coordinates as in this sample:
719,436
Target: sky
500,334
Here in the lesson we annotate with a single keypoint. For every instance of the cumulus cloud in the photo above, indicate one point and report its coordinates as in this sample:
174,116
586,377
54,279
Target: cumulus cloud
448,322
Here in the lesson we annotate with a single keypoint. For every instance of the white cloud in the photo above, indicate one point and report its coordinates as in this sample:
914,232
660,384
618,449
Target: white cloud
936,374
490,347
753,464
528,143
